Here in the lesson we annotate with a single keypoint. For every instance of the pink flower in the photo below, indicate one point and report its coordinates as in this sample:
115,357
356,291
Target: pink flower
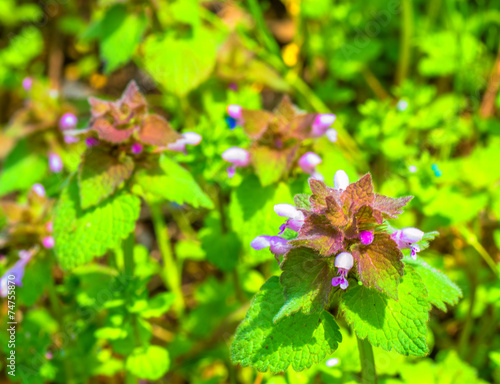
308,163
68,139
48,242
296,217
344,262
188,138
39,189
55,163
15,273
235,111
136,148
238,157
277,245
67,121
27,83
91,142
321,124
406,238
49,226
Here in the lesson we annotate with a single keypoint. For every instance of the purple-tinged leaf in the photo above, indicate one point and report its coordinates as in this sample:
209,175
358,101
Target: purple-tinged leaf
389,207
271,164
338,215
255,122
155,130
379,264
107,132
98,107
360,193
317,233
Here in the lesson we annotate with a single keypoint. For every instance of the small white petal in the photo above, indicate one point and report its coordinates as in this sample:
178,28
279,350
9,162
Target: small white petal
237,156
340,180
344,260
288,210
191,138
234,111
261,242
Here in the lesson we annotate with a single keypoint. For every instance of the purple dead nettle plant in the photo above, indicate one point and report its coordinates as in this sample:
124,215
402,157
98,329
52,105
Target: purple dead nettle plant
346,223
15,273
277,140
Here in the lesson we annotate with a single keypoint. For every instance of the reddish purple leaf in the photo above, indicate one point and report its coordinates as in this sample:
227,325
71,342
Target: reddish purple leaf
379,264
271,164
155,130
360,193
133,98
317,233
337,214
98,107
107,132
255,122
390,208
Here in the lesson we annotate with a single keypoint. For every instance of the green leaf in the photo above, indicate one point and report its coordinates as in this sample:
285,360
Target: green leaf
302,201
440,288
22,168
379,264
119,32
221,248
172,182
81,235
390,324
299,340
158,305
101,174
180,65
307,282
148,363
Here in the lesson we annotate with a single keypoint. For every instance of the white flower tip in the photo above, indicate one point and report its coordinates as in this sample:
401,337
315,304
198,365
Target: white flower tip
192,138
234,111
260,242
309,160
344,260
332,135
332,362
325,119
411,234
288,210
340,180
237,156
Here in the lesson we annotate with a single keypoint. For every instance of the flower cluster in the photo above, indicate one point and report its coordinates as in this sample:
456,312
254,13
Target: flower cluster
276,140
346,223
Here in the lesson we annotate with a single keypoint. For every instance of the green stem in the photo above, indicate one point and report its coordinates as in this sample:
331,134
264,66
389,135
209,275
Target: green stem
368,374
264,35
405,41
170,274
58,314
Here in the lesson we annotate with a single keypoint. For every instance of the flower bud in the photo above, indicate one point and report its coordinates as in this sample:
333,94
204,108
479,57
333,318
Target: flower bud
48,242
27,83
191,138
366,237
67,121
411,235
344,260
308,161
237,156
234,111
55,163
136,148
331,134
340,180
39,190
91,142
288,210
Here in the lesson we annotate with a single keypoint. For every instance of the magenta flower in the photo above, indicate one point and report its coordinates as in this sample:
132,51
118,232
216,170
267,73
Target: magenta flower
406,238
366,237
277,245
55,163
136,148
91,142
321,124
238,157
308,163
48,242
188,138
340,180
27,83
17,271
38,189
67,121
296,217
344,262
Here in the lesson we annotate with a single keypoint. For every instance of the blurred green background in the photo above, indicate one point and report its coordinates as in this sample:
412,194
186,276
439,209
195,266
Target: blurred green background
414,85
